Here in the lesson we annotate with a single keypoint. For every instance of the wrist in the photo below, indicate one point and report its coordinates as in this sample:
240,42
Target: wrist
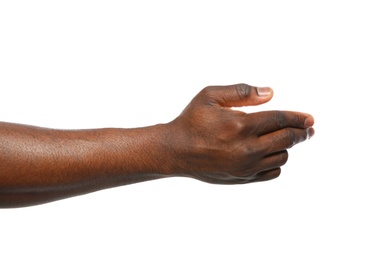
152,150
163,155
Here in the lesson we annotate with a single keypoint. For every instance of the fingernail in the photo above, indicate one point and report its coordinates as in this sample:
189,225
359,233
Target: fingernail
263,91
310,132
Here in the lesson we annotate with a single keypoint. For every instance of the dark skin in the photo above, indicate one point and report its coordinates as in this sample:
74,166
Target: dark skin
208,141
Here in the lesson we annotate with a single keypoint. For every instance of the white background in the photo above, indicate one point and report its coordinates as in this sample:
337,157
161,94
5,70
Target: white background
90,64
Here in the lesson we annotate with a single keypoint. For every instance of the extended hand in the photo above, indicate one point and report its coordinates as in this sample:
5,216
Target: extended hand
213,143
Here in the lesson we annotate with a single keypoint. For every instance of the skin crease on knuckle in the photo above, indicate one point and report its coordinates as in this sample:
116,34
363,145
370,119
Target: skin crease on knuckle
243,91
280,119
297,120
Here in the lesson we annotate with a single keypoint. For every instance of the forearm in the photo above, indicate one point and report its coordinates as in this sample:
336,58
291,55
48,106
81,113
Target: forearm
39,165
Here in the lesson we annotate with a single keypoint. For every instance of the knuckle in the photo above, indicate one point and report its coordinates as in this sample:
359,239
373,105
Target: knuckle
207,91
238,125
280,119
297,120
208,95
248,152
243,157
243,90
244,153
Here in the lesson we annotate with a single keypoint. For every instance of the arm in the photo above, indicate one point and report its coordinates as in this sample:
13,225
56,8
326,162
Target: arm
208,141
39,165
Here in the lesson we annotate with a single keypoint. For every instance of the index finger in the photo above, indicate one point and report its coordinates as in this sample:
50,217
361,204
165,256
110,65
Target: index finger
266,122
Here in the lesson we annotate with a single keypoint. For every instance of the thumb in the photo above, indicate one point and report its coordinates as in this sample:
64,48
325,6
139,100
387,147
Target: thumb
237,95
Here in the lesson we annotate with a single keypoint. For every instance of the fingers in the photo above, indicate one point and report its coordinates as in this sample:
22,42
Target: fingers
269,121
266,163
237,95
274,160
283,139
269,153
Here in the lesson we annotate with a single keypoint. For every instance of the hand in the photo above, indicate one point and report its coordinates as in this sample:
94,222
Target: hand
213,143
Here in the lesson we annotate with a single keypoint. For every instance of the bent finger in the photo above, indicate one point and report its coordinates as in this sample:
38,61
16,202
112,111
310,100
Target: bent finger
283,139
274,160
266,163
